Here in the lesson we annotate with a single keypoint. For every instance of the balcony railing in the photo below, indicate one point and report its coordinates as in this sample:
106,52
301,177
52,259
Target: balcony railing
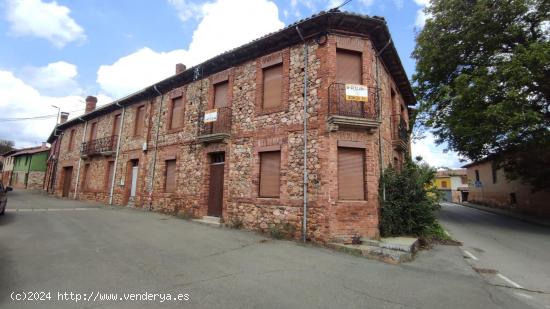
403,131
339,106
222,125
100,146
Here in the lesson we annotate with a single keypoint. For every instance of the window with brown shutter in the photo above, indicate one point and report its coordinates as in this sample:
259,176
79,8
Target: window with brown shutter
110,174
116,124
221,94
272,86
170,176
71,140
348,67
85,183
270,173
176,120
140,119
351,173
93,131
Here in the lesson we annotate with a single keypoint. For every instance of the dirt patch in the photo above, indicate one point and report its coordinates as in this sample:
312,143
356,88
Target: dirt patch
485,270
429,243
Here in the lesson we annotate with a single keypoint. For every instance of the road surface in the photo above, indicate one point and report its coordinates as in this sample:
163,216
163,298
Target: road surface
508,252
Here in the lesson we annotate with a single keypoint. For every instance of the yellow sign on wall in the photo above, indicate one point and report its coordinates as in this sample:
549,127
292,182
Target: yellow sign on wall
357,93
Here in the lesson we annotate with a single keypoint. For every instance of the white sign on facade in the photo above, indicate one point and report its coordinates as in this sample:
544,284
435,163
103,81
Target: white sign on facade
210,115
357,92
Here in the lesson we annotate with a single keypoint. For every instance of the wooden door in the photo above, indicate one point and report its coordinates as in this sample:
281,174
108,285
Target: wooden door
67,179
215,195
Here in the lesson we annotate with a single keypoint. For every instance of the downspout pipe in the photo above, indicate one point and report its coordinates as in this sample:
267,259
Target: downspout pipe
304,223
80,160
119,138
379,106
156,149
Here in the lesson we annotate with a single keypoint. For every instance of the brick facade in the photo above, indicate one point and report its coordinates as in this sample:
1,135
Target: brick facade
252,131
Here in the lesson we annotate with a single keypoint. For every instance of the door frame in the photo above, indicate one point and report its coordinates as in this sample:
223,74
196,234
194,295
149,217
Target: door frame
221,158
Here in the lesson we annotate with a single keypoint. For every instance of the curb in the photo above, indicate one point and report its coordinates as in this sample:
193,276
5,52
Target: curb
507,214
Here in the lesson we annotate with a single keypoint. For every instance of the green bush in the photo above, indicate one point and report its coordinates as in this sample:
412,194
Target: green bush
410,200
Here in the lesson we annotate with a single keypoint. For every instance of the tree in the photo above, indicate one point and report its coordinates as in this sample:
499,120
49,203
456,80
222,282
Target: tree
483,82
5,146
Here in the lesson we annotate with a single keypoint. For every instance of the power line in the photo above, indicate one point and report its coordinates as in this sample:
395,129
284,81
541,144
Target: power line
42,117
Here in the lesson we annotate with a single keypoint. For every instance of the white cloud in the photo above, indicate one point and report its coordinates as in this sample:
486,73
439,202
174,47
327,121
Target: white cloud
55,79
20,100
398,4
433,154
186,10
226,24
49,21
420,14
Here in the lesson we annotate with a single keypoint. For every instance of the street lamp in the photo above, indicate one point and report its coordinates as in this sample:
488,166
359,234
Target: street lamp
58,113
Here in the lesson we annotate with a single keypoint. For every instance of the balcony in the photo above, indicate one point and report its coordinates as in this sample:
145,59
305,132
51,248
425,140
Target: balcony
218,130
348,113
105,146
400,133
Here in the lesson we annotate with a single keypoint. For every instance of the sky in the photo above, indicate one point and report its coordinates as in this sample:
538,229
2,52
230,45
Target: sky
58,52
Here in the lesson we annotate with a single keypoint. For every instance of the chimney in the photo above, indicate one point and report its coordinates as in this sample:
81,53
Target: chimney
91,101
63,117
180,67
44,145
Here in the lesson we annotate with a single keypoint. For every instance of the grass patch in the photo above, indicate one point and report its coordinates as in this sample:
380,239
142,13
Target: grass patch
435,234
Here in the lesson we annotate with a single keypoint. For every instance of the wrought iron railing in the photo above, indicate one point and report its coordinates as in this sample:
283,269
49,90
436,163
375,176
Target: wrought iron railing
400,129
221,125
338,105
99,146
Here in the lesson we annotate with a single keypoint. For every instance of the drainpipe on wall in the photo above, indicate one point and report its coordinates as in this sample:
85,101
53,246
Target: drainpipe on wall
379,106
80,160
116,154
151,184
304,223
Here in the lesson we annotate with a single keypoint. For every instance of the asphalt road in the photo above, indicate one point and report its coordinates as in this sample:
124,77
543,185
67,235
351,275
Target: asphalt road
64,246
510,253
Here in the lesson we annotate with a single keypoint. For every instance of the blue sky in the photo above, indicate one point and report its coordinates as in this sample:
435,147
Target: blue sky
57,52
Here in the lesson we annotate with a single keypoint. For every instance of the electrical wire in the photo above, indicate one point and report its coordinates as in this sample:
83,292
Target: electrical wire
43,117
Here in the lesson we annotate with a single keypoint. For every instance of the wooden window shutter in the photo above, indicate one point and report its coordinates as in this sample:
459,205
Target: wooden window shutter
348,67
110,171
273,86
170,177
140,119
351,174
116,125
177,113
221,94
270,173
93,131
71,140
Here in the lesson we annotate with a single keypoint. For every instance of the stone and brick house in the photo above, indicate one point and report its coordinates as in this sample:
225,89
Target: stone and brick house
159,148
489,186
29,167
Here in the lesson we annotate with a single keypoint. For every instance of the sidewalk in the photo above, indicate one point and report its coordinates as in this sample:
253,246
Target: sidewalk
508,213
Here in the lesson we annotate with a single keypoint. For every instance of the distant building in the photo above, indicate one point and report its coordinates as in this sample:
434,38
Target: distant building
29,167
453,185
7,166
489,186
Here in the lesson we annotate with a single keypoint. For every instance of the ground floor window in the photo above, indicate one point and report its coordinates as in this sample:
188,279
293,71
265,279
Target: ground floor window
270,173
170,176
351,173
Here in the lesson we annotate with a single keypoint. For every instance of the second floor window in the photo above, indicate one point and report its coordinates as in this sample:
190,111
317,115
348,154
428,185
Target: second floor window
140,121
176,118
221,95
71,140
272,86
93,131
116,124
348,67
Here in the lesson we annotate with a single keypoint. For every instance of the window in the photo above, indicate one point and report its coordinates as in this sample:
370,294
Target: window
351,174
85,182
221,94
140,119
116,124
176,114
348,67
93,131
494,172
272,86
71,140
110,174
513,199
477,176
443,184
170,176
270,173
